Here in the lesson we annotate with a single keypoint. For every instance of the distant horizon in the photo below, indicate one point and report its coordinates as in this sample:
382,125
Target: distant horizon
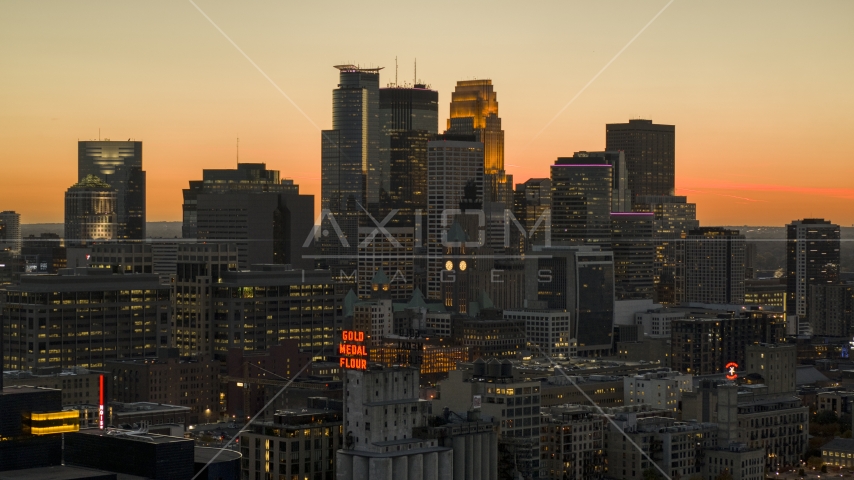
760,137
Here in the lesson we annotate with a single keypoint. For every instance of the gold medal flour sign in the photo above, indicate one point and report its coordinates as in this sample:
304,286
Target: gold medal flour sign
352,349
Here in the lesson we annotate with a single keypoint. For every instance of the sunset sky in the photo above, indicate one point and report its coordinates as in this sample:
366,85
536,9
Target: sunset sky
761,92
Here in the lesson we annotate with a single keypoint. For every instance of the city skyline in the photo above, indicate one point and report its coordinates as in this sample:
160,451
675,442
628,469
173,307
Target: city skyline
746,119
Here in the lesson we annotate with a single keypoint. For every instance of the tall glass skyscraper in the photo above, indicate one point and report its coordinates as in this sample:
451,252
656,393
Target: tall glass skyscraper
350,167
650,155
409,117
581,200
474,111
119,165
90,212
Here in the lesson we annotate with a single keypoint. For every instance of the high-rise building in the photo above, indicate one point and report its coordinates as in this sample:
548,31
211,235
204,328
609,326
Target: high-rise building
831,311
714,266
265,217
581,200
90,212
474,111
621,196
10,232
118,164
408,119
352,171
532,202
634,253
350,150
579,280
455,175
812,258
673,218
394,256
50,320
650,155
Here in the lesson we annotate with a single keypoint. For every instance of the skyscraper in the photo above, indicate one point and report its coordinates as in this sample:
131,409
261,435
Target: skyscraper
634,253
264,216
650,155
621,196
714,266
454,166
532,201
350,157
90,212
812,258
10,232
579,280
581,200
474,111
408,118
674,217
119,165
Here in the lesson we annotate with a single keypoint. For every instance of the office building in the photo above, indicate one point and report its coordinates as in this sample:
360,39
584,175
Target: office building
32,422
714,266
677,448
392,253
650,155
90,212
491,386
769,292
199,266
255,377
774,365
409,116
119,165
776,424
295,443
381,409
78,385
633,244
263,215
812,258
474,111
547,331
158,457
272,303
83,318
489,335
673,218
705,343
581,200
532,204
168,379
455,174
831,311
662,389
573,442
10,232
44,254
839,452
579,280
621,196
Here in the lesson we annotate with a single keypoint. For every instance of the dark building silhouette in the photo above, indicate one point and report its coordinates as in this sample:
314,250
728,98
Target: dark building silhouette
264,216
119,164
650,155
581,200
634,254
812,258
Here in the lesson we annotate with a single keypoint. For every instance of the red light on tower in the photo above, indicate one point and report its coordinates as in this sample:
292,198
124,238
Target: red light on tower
731,367
101,402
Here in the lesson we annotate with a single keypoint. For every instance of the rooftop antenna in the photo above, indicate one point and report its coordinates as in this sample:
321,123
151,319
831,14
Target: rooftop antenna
99,134
238,151
395,71
415,80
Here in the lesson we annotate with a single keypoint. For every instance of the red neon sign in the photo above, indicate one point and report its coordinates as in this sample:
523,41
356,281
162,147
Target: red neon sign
101,402
354,356
731,367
